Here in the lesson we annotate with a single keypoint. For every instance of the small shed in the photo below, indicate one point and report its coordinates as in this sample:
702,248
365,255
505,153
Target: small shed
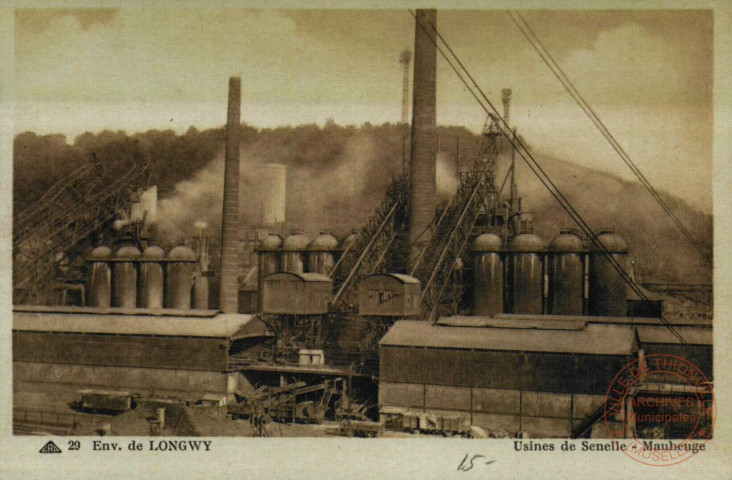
311,357
389,294
697,347
650,307
293,293
212,400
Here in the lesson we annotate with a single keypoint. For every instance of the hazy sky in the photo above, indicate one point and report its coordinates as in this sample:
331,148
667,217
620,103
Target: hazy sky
647,74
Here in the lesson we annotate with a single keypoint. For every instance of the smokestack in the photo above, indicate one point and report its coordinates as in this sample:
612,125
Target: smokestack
506,104
228,290
422,171
405,59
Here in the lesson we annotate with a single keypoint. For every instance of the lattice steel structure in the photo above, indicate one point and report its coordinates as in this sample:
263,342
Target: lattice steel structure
370,250
73,209
477,193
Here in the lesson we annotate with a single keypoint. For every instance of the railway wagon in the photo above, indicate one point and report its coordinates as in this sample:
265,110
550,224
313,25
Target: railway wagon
106,400
360,428
436,424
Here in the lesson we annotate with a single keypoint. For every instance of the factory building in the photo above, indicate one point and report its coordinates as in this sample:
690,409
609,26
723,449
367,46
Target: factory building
534,332
140,330
167,352
697,348
522,377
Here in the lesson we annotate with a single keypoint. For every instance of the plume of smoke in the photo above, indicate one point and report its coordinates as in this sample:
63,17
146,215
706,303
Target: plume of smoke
341,197
337,198
198,199
342,194
447,181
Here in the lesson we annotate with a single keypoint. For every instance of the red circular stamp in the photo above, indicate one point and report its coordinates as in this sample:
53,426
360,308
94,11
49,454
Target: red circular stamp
665,405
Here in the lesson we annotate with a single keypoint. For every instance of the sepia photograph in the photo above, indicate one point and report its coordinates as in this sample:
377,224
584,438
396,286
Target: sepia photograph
388,224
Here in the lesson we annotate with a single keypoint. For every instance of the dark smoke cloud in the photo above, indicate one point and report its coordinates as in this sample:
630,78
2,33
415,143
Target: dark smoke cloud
337,175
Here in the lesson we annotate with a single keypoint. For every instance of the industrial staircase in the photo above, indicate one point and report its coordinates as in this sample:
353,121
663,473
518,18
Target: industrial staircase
370,249
436,264
75,207
451,232
584,428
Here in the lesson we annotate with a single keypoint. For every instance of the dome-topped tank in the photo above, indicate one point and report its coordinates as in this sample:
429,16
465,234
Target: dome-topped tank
153,253
181,271
525,274
487,275
127,252
294,256
487,242
566,274
182,253
101,253
268,262
324,242
606,285
124,281
100,277
296,241
527,242
269,254
270,242
321,256
151,278
567,241
612,241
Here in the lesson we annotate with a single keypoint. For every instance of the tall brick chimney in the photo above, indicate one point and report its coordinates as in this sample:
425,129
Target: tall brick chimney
422,171
228,292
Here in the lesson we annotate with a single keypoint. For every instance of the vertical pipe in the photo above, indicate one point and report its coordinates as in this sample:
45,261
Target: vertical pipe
228,293
457,159
506,105
514,189
404,59
422,172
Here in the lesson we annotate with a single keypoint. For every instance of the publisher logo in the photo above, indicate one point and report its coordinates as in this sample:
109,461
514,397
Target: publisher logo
665,404
50,447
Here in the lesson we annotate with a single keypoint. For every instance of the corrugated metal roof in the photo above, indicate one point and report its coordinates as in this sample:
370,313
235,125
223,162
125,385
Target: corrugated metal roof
156,312
398,276
305,277
222,325
498,322
104,392
600,319
593,339
691,335
213,397
252,329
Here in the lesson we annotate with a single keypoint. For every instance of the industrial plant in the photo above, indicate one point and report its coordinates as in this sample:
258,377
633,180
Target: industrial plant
448,318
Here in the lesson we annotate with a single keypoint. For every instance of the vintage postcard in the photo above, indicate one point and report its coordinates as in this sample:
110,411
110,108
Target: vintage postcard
471,241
